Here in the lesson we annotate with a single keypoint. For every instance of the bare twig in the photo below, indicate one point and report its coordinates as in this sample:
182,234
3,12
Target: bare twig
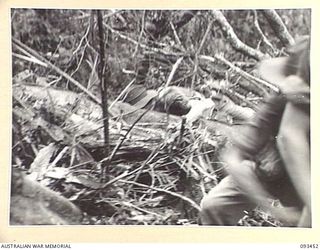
79,63
118,178
117,147
153,154
82,39
28,54
174,69
122,93
17,43
245,74
144,46
278,26
196,61
258,28
244,99
233,38
176,34
58,158
140,35
184,198
93,79
122,176
130,205
30,59
238,70
204,37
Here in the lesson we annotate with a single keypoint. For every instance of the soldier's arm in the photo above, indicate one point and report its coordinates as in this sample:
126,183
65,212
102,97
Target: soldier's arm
293,143
249,141
243,173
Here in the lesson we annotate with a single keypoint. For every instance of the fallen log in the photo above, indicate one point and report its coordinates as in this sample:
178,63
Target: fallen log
83,106
68,116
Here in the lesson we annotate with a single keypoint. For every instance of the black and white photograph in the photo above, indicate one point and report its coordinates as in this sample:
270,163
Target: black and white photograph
179,117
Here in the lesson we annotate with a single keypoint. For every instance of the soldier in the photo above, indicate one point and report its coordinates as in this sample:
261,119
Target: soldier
270,156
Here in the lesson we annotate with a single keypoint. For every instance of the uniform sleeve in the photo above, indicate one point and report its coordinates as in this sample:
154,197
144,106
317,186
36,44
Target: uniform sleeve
265,125
297,92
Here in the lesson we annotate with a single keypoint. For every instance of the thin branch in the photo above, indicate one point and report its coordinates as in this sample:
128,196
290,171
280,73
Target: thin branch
140,35
152,155
17,44
58,158
233,38
117,147
93,78
204,37
246,75
122,93
27,53
174,69
29,59
121,176
196,61
184,198
176,35
278,27
144,46
264,38
80,62
82,39
130,205
238,70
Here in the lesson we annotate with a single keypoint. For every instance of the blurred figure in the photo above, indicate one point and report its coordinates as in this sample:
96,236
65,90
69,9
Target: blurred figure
270,159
